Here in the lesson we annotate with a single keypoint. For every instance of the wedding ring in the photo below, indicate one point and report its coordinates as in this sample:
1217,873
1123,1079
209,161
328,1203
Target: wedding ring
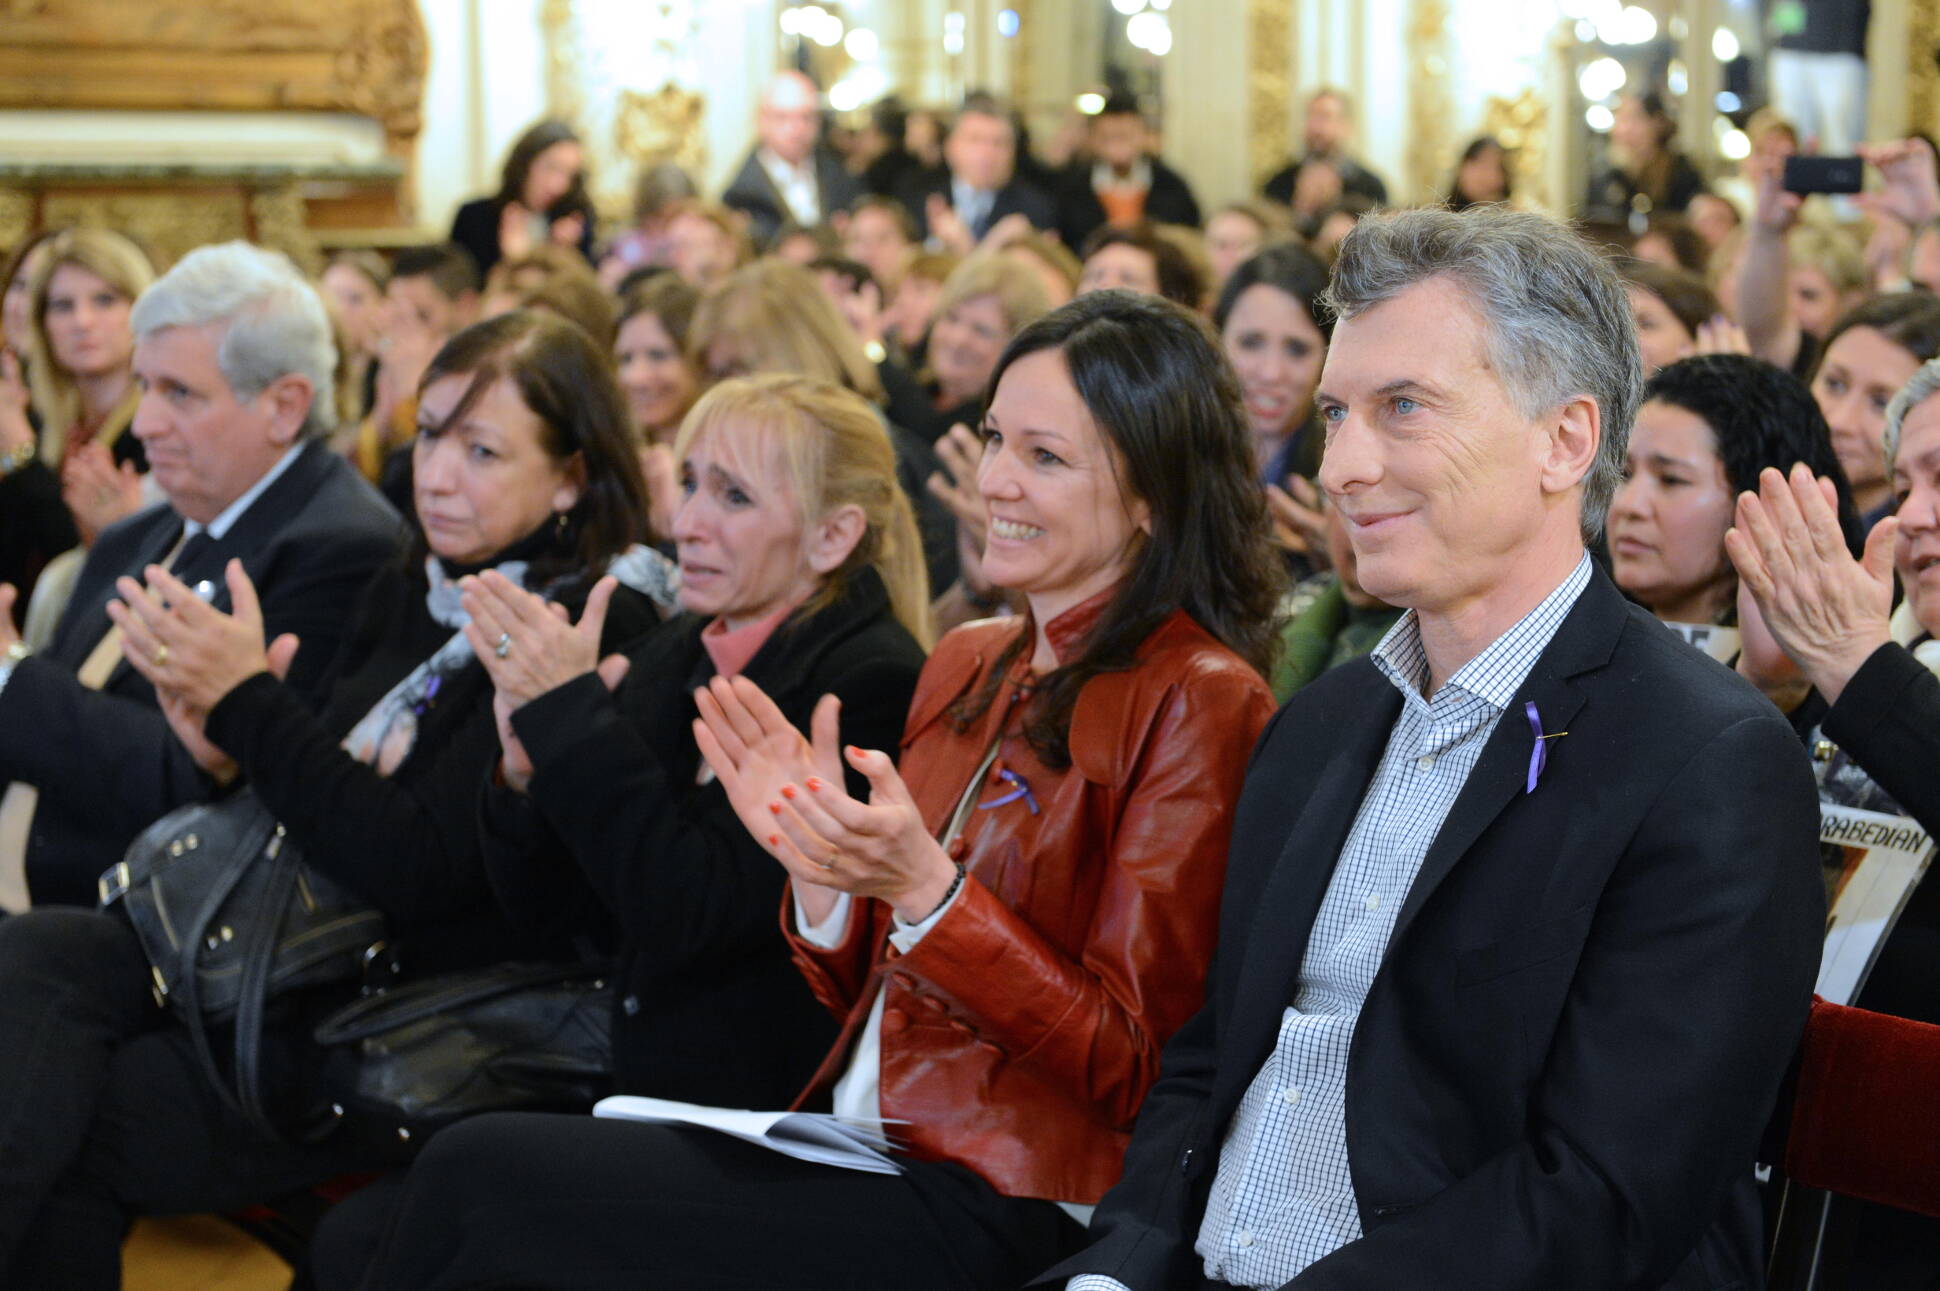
504,646
161,656
834,856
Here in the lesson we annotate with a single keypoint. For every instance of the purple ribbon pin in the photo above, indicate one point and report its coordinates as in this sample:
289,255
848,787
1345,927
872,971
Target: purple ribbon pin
1018,790
1539,751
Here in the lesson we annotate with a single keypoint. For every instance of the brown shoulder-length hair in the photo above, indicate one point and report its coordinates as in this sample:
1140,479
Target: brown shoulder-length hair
567,382
1154,378
518,167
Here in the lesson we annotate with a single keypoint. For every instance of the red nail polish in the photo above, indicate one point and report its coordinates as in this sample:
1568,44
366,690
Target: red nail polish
774,808
774,840
788,792
854,752
814,784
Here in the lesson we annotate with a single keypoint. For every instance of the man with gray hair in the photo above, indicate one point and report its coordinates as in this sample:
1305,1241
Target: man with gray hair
1523,911
789,178
234,358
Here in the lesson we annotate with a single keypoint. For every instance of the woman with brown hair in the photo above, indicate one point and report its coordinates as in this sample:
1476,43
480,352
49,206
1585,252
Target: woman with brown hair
986,301
35,525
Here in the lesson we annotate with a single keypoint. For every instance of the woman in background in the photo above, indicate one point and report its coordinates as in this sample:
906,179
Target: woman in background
541,200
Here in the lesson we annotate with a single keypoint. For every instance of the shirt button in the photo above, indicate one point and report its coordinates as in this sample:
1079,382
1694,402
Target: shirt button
631,1004
1291,1097
1243,1238
1373,901
1425,763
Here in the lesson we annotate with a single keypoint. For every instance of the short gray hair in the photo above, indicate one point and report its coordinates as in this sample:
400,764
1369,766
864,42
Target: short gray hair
1915,392
277,325
1556,313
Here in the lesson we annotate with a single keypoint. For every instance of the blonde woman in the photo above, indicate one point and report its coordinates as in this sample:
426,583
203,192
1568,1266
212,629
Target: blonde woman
80,372
771,316
988,300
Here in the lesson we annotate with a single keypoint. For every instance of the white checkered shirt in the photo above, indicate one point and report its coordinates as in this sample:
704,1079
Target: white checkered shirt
1283,1196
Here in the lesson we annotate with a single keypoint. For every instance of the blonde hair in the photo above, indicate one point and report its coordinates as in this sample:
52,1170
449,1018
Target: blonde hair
1019,291
832,449
781,320
1832,251
116,261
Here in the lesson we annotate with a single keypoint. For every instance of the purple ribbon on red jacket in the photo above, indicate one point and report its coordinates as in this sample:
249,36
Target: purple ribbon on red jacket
1019,789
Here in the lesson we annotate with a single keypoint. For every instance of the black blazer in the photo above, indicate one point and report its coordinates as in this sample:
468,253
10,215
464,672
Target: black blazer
616,830
754,194
1170,201
1020,196
1354,178
35,527
1560,1075
105,762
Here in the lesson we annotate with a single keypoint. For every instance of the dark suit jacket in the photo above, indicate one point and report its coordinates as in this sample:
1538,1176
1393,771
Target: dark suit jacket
105,762
754,194
1170,201
1560,1075
1020,196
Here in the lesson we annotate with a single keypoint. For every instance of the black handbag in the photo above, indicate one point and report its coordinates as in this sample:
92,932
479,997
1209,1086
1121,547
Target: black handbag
230,918
419,1056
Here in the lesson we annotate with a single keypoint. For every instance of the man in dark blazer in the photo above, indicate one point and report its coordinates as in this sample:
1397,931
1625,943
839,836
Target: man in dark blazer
978,183
247,475
1523,911
1121,181
789,178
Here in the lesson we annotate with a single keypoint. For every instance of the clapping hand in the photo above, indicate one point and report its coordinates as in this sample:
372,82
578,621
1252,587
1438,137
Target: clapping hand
527,643
187,646
789,793
1299,518
1911,193
97,491
194,654
1719,335
1827,611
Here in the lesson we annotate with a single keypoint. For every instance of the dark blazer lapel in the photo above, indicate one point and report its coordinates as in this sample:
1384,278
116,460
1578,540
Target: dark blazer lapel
1583,643
85,621
1276,939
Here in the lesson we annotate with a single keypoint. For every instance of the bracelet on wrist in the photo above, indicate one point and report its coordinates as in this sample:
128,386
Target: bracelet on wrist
949,893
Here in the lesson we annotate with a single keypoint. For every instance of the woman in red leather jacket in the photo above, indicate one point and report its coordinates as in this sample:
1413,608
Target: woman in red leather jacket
1011,927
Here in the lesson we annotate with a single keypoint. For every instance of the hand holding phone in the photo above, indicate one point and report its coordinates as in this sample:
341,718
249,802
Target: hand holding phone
1823,174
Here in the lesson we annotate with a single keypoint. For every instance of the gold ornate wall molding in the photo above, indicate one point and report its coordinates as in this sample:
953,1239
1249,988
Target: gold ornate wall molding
1521,126
557,23
367,57
1269,85
1922,72
1431,104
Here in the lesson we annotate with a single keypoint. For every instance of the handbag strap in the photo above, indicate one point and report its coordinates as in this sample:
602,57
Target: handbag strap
188,985
258,959
401,1006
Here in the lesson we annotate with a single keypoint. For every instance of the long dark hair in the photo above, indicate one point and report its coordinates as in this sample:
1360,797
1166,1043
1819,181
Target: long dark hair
1759,416
525,151
1154,378
567,382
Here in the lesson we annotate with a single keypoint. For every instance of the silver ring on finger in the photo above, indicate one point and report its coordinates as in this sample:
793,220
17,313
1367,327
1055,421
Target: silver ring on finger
834,856
504,645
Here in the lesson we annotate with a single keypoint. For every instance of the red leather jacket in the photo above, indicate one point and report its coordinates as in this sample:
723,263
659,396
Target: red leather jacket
1020,1035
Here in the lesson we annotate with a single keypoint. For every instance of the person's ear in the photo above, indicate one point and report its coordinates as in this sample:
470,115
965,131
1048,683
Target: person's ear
287,401
572,483
834,537
1141,513
1572,436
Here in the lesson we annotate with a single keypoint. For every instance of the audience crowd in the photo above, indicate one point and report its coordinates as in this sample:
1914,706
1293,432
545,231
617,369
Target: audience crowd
849,615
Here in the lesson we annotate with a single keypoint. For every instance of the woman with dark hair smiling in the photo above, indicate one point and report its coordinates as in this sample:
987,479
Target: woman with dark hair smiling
541,199
1011,926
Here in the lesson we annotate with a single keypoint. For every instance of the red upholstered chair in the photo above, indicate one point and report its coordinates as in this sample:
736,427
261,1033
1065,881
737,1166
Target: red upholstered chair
1865,1122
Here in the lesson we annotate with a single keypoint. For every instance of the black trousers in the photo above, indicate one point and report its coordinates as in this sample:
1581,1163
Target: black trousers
573,1203
105,1112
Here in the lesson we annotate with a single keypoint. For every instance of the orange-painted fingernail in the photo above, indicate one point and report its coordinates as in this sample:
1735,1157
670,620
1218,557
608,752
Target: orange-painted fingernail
814,784
788,792
775,808
774,840
854,752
